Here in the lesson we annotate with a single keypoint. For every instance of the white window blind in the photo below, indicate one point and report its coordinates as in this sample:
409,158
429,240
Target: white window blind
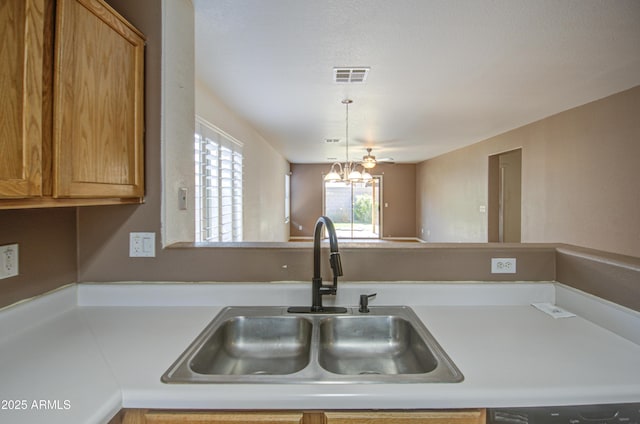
218,192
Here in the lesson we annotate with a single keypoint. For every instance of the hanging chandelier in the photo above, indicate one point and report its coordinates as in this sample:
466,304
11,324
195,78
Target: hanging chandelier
347,172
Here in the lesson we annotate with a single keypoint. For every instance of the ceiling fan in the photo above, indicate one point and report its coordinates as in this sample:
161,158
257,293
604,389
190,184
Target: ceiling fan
369,161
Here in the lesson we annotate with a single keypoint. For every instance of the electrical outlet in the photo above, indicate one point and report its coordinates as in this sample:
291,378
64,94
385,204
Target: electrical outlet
142,245
8,261
503,265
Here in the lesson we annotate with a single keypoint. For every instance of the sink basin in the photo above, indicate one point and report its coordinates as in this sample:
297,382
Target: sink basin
383,345
389,344
255,345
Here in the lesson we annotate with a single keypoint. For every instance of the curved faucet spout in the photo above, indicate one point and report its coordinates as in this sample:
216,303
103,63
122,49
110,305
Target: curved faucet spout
334,260
317,289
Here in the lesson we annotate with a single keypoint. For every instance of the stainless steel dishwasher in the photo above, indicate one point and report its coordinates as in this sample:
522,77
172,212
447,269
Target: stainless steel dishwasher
624,413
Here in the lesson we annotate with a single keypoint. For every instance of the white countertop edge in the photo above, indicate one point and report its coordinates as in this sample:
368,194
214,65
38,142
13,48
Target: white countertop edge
107,411
372,397
616,318
29,312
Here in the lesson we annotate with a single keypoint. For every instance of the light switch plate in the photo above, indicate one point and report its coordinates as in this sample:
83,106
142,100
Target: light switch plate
182,199
503,265
142,245
8,260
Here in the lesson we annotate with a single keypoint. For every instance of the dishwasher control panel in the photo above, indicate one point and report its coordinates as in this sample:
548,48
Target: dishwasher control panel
625,413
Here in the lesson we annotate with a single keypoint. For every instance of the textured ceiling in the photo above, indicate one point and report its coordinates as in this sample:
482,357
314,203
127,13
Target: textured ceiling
444,73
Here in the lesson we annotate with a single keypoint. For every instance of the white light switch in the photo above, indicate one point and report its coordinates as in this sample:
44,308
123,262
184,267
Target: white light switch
182,199
142,245
8,261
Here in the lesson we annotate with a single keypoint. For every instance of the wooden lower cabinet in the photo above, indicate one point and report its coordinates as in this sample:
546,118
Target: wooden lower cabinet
459,416
138,416
462,416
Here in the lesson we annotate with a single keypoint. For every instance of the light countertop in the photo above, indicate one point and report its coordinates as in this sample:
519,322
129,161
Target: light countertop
88,350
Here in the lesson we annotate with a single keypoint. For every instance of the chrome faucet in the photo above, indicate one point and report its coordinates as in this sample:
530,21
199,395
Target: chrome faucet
317,288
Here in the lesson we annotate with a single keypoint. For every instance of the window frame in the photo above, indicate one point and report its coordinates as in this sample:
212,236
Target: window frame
218,160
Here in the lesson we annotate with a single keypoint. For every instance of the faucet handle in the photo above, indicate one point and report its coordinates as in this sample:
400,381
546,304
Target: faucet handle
364,302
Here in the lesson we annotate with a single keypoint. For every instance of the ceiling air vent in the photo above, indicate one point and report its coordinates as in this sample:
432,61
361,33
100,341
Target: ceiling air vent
350,75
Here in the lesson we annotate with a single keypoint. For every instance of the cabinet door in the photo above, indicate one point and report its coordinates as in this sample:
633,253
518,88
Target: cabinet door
98,103
474,416
172,417
21,85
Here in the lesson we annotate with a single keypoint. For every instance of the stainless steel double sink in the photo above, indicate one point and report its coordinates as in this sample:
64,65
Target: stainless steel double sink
269,345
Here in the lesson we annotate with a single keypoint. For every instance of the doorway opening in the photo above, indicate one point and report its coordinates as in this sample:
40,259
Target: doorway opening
505,197
354,208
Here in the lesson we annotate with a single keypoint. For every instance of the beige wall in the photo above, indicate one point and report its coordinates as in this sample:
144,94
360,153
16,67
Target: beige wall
610,276
177,85
47,251
449,193
398,191
505,197
264,170
579,180
306,197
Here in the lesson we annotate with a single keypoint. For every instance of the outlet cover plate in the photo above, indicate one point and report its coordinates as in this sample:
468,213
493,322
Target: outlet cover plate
8,260
503,265
142,245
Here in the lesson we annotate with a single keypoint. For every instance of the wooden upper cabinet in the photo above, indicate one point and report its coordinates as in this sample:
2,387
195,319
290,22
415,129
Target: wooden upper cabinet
71,105
21,96
98,103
